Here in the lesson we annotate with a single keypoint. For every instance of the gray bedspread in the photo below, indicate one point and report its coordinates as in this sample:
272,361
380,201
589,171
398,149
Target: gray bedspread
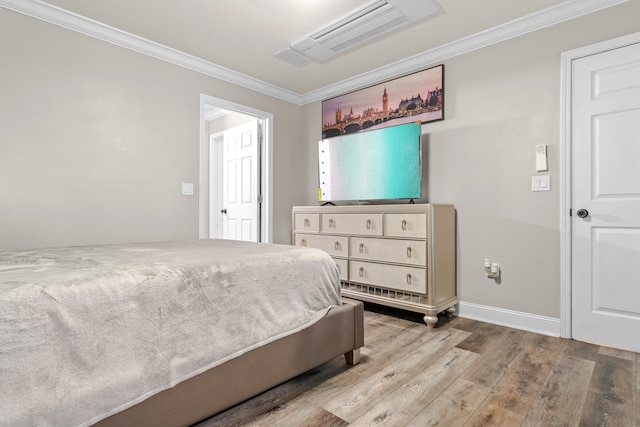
89,331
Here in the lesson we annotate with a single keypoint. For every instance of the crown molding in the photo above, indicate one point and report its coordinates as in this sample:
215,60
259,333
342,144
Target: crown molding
72,21
533,22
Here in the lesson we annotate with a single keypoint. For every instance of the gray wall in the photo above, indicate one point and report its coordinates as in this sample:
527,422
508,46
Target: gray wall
500,102
95,141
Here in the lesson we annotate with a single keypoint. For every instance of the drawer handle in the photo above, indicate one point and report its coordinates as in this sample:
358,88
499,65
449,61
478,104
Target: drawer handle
303,242
307,223
361,272
404,225
368,224
336,246
409,252
408,279
361,248
331,222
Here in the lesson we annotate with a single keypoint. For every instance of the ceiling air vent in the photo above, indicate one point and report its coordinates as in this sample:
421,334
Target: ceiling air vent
293,57
363,25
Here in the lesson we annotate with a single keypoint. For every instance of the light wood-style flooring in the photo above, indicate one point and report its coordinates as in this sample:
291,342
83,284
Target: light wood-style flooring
463,373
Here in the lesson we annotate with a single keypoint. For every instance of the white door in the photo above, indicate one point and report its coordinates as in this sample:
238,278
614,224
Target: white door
606,198
240,207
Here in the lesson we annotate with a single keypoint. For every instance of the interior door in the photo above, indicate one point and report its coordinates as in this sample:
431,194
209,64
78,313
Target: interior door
606,198
241,204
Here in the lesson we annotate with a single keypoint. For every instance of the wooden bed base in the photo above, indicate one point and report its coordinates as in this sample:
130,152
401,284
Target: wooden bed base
341,331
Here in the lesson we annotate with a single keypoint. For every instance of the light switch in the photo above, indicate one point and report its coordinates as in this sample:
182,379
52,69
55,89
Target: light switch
187,189
540,183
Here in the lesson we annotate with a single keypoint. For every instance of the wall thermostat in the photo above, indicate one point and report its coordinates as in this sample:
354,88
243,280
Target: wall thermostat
541,158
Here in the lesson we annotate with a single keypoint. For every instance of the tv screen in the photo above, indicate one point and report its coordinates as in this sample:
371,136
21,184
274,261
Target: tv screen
375,165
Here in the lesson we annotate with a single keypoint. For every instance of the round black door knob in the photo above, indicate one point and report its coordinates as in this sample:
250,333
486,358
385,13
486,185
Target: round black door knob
583,213
224,211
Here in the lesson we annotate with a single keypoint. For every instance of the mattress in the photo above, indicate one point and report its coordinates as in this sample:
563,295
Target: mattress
86,332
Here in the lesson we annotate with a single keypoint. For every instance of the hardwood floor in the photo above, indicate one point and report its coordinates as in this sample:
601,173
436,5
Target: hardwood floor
463,373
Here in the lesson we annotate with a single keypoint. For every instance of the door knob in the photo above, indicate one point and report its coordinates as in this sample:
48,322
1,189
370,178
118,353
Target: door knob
582,213
224,211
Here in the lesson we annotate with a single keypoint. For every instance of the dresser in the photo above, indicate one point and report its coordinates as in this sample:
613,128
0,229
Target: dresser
401,256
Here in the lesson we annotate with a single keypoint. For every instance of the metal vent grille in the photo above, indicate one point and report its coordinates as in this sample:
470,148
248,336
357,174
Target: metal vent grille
292,57
370,34
406,297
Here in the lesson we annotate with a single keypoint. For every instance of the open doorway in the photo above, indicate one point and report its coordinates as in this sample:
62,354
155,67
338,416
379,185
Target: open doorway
235,171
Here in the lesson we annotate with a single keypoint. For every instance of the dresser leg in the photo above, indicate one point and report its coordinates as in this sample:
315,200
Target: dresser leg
353,357
450,311
431,321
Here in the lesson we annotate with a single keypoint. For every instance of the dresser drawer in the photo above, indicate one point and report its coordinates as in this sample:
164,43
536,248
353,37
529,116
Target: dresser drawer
363,224
409,279
413,252
333,245
405,225
343,268
306,222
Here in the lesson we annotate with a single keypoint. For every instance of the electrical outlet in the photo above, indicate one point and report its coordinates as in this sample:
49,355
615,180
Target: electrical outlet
492,269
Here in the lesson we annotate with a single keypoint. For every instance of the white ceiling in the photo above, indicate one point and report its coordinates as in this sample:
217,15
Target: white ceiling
243,35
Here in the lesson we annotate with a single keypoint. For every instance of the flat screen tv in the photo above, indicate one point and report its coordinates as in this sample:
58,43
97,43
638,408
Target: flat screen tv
380,164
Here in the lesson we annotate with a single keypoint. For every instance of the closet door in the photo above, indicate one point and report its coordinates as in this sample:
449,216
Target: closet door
606,198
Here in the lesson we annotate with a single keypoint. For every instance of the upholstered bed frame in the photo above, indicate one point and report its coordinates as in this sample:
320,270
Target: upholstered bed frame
340,332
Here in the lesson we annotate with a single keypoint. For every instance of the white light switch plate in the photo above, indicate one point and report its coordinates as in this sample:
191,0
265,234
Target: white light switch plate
187,189
540,183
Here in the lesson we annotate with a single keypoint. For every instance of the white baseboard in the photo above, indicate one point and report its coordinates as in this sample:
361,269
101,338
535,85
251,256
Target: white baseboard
512,319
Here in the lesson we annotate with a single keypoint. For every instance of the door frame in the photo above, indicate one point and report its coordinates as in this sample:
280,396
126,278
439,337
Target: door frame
215,194
565,165
266,165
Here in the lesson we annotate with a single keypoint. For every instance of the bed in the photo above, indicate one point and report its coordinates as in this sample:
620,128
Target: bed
165,333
